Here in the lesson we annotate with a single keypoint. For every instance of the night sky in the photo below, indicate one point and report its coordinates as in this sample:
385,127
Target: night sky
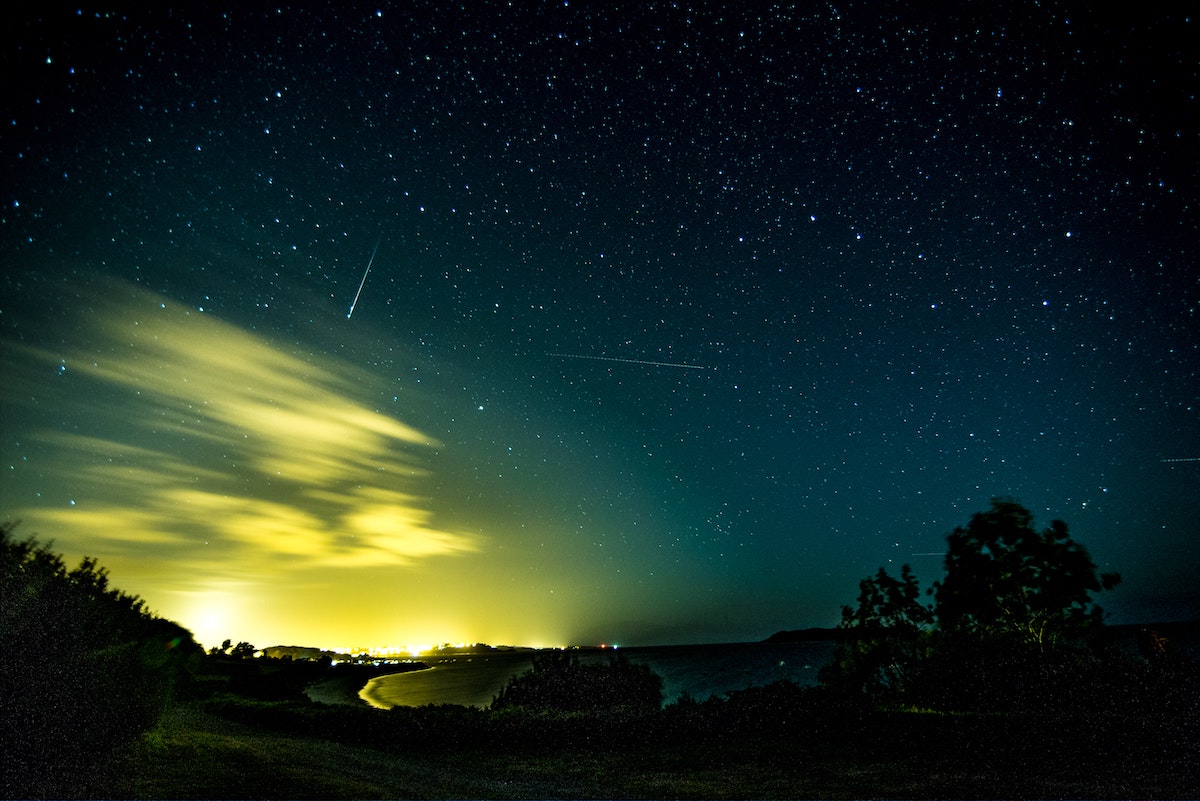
677,323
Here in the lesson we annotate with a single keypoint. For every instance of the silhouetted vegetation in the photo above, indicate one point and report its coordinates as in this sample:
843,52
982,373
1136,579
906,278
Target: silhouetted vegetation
558,681
280,679
243,650
1030,696
1004,580
1013,624
891,629
85,668
781,740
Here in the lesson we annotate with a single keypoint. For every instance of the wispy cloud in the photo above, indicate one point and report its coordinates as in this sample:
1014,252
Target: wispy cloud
227,452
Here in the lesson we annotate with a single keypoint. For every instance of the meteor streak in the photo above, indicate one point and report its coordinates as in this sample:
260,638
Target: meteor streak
363,282
632,361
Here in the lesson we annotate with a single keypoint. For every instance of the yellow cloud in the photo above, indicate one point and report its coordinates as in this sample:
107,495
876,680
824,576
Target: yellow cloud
211,435
116,524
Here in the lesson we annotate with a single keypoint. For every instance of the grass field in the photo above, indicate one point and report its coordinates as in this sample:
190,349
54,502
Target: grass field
195,753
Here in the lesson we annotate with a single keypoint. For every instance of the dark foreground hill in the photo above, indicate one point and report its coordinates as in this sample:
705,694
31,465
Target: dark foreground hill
199,753
781,741
103,699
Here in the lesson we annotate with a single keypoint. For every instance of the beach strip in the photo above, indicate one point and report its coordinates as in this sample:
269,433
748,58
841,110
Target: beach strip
346,683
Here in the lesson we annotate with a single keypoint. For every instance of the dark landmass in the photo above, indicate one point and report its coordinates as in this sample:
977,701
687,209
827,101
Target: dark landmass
1111,713
287,679
255,728
811,635
298,652
343,682
233,738
301,652
780,741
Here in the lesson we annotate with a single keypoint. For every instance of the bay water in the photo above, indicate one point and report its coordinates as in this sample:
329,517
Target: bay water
701,671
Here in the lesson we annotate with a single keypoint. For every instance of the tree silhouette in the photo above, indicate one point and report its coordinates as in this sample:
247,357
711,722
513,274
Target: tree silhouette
1004,579
891,628
885,603
243,650
85,668
560,682
1009,618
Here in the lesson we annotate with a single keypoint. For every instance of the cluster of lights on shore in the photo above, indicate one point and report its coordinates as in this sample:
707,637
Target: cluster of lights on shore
395,651
428,649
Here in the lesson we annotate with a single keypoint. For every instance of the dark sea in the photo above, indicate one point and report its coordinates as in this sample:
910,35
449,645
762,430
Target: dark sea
700,670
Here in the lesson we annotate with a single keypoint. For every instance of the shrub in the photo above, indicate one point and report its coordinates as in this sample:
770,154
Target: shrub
85,669
560,682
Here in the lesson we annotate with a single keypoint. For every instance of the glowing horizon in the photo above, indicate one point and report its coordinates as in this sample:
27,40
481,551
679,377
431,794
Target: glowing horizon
254,491
223,468
403,353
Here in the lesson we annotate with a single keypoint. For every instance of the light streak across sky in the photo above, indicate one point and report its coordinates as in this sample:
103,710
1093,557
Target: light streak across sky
363,282
647,362
670,367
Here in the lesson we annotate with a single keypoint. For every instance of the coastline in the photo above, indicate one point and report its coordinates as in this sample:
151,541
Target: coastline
699,671
341,691
344,688
368,698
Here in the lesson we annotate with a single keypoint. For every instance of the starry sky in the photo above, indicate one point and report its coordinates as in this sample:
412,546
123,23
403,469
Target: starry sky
669,323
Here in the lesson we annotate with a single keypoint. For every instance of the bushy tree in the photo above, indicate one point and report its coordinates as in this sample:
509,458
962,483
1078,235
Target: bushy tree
243,650
84,668
886,604
561,682
891,628
1005,579
1008,626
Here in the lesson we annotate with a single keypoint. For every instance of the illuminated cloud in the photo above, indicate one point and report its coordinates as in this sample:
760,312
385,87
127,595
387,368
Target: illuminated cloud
253,489
217,448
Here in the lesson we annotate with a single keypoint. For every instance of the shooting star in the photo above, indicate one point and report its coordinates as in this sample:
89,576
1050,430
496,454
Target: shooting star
1181,459
363,282
632,361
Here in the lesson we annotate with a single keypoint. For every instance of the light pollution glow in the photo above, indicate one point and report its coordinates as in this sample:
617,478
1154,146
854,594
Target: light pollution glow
242,490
